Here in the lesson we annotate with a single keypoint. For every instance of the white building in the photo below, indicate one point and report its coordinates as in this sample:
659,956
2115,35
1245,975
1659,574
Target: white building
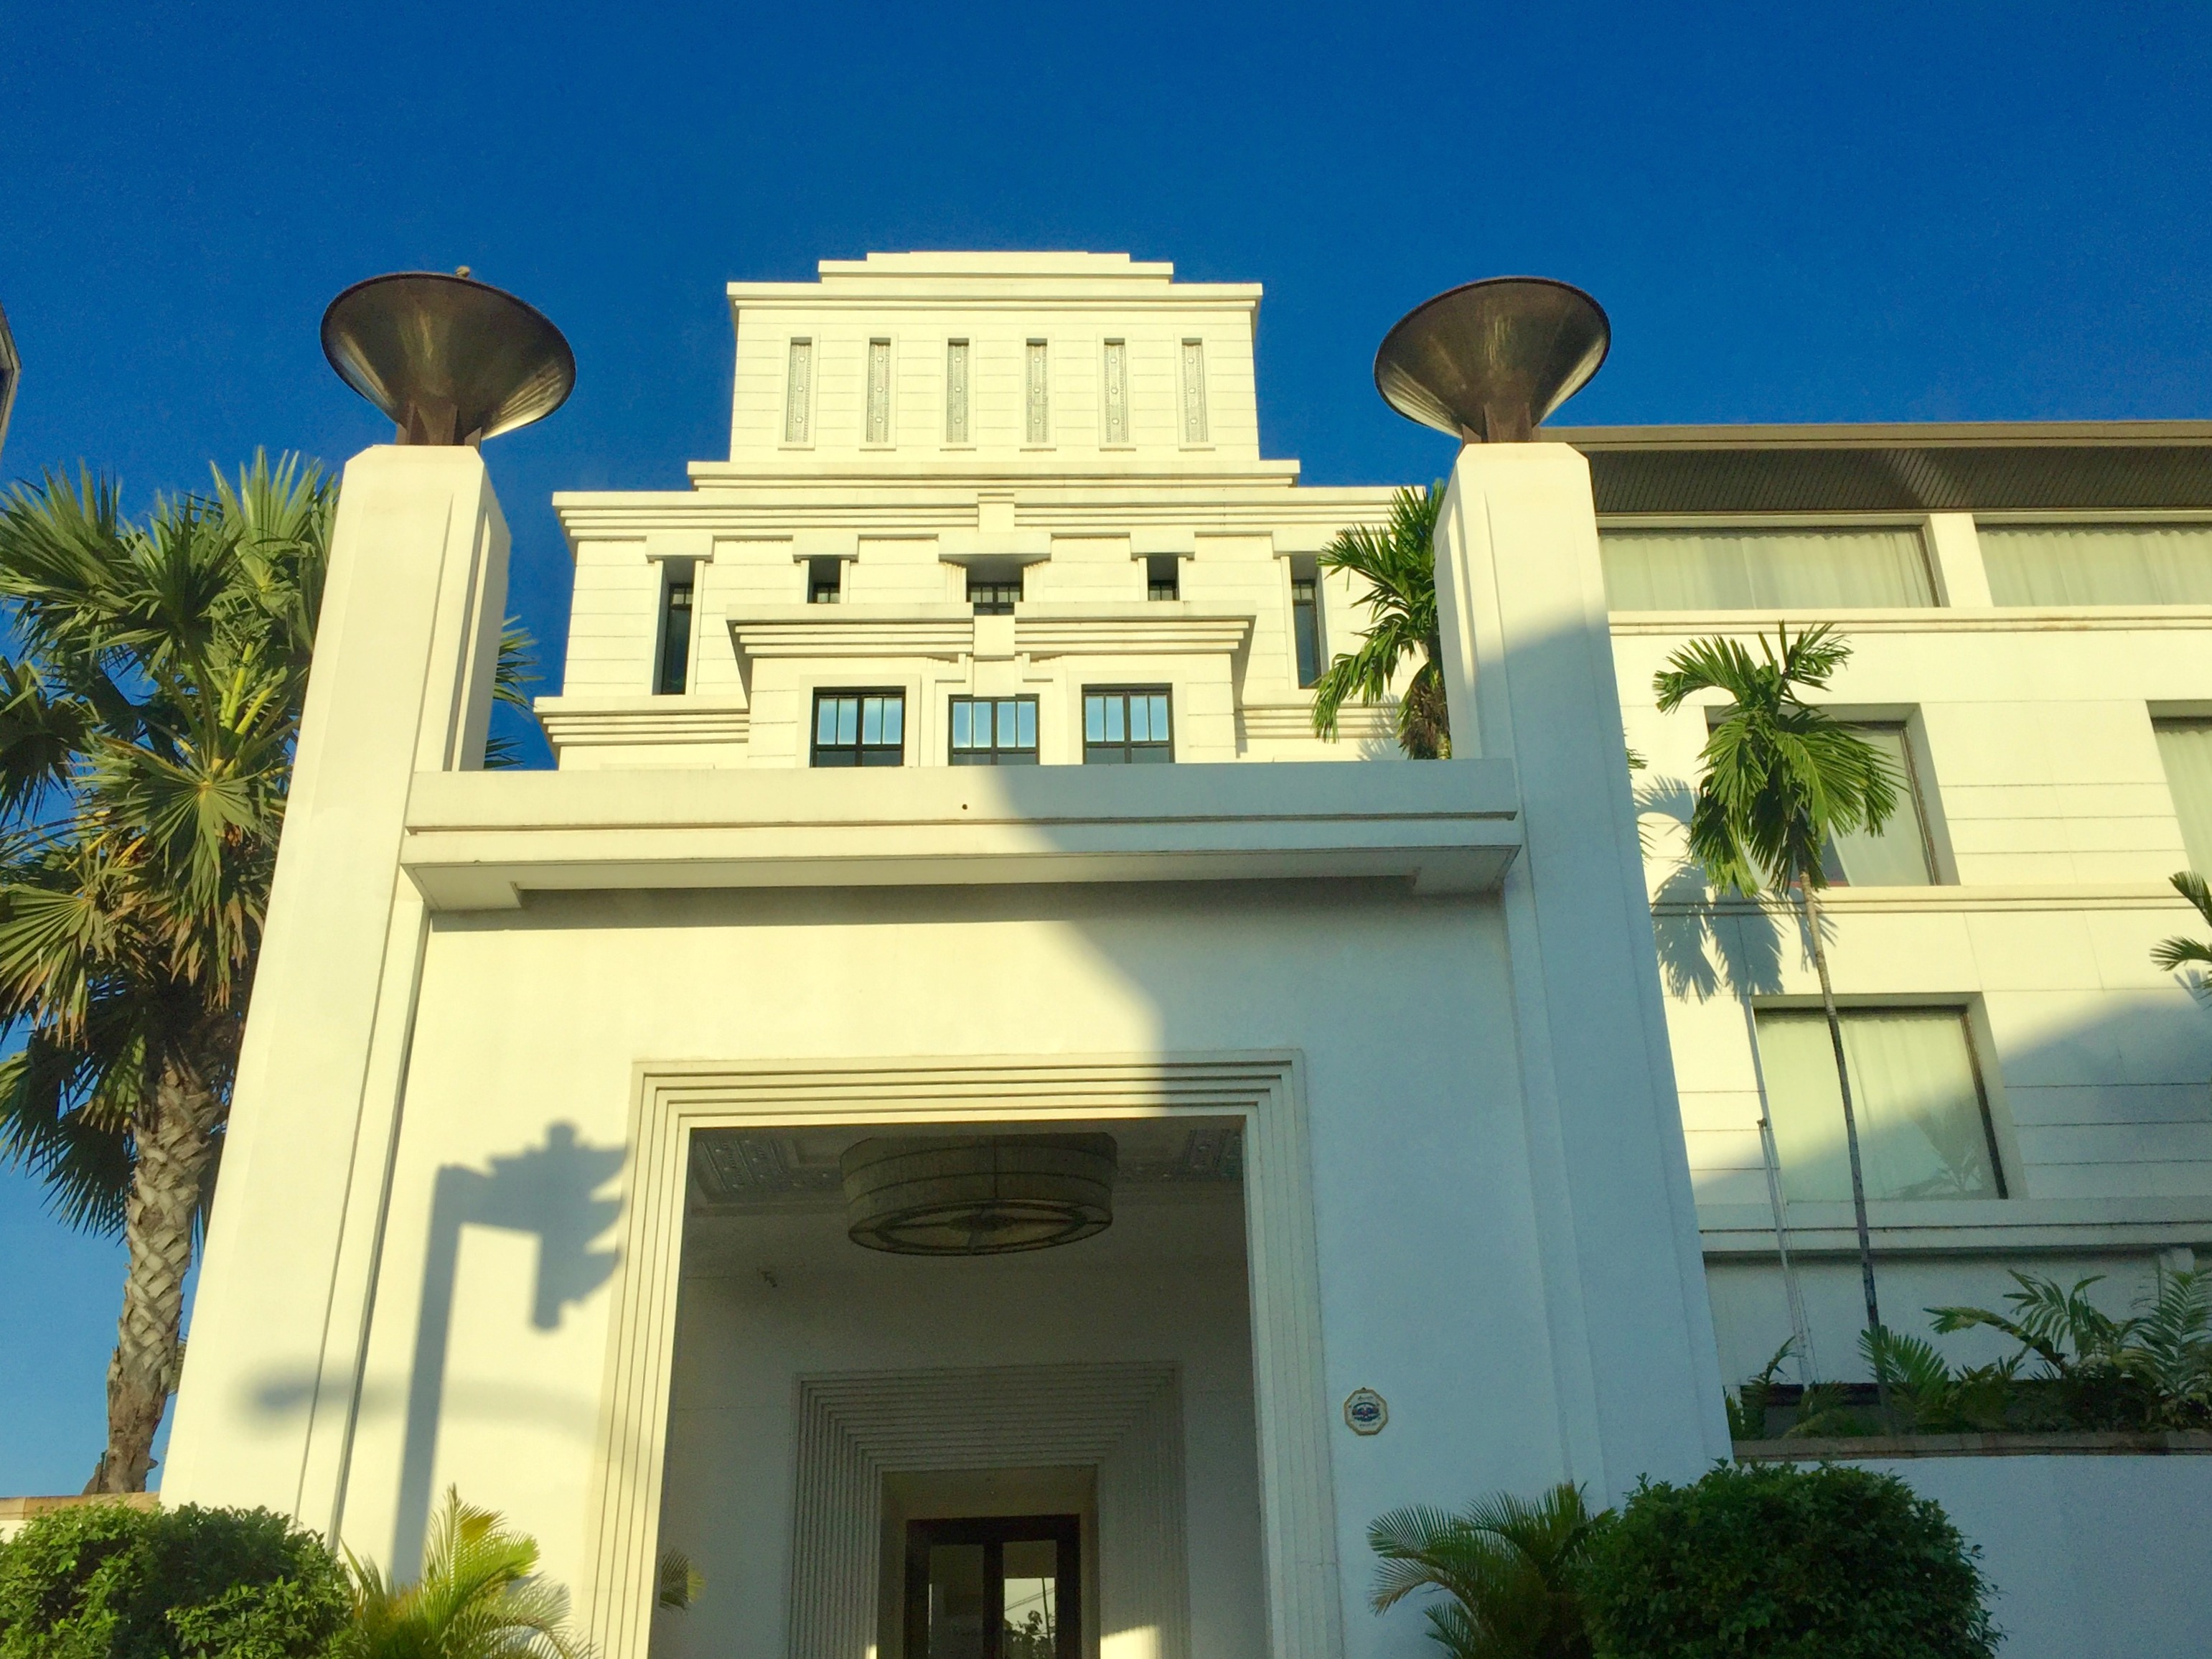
534,1182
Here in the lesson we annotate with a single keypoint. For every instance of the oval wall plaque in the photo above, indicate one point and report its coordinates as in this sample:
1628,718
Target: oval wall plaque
1365,1412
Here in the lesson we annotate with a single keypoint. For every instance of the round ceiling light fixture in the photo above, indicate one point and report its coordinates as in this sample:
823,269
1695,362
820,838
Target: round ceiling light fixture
983,1195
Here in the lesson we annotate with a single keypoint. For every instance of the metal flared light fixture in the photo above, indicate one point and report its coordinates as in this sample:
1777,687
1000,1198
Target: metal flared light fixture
1487,361
11,372
980,1196
451,360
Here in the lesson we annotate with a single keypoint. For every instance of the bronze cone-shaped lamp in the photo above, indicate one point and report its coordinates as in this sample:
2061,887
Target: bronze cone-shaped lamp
451,360
1487,361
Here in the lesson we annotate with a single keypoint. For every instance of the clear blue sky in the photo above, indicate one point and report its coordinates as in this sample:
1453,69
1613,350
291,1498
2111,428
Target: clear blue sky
1907,212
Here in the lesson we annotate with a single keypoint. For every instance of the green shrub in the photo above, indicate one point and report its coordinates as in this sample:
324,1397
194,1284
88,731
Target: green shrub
1778,1562
103,1582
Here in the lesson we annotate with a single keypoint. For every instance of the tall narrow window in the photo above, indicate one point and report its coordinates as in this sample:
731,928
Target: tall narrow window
675,672
955,391
1037,392
859,728
1305,626
799,393
1126,725
825,579
1194,391
1899,855
995,731
2185,746
879,392
1162,580
1923,1125
1117,392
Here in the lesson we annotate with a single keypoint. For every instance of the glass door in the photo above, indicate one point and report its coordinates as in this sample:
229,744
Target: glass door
995,1587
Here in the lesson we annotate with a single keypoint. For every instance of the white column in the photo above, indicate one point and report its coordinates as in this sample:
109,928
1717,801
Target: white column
1955,550
405,651
1529,676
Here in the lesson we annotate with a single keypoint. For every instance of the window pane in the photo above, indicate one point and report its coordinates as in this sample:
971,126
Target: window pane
2065,564
1159,718
2185,746
871,719
1140,725
1032,1599
1898,857
1094,719
963,723
1922,1132
1114,707
825,720
1027,713
958,1590
1764,569
1305,626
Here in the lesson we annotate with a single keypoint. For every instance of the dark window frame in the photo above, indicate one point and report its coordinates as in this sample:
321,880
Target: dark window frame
825,579
1308,650
1126,751
994,1533
1162,587
864,754
672,670
1003,593
996,754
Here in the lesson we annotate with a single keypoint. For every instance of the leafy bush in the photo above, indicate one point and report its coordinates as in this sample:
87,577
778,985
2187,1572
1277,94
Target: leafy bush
1506,1570
104,1582
1778,1562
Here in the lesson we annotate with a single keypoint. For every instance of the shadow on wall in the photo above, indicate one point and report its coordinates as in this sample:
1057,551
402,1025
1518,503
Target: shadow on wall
550,1191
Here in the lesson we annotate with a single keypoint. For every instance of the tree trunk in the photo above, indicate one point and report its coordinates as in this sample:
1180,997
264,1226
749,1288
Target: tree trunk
1800,1328
175,1143
1850,1127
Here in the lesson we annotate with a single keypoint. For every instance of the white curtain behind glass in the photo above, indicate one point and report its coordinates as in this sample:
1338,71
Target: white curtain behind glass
1923,1133
1764,569
1898,857
2185,746
2065,564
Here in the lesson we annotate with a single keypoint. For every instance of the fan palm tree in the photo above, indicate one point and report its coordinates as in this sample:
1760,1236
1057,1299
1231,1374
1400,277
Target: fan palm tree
1507,1569
1780,778
478,1597
2169,954
1397,561
148,711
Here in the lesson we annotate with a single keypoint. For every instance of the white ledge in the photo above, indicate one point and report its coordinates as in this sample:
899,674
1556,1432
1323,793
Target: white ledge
481,840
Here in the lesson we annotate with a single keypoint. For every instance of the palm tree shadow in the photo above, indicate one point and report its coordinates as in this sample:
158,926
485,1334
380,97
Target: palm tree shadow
1709,944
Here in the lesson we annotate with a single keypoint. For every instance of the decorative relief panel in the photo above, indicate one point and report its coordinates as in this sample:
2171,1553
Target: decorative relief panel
1194,391
1116,422
799,394
879,392
1037,390
955,391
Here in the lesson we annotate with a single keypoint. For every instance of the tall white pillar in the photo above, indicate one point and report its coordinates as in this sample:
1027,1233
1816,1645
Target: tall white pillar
405,652
1529,675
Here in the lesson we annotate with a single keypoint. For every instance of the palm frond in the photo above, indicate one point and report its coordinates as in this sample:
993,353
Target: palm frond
1394,564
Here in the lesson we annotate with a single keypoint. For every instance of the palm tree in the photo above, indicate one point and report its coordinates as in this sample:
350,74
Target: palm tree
1398,562
1780,778
477,1597
1507,1569
2169,954
147,719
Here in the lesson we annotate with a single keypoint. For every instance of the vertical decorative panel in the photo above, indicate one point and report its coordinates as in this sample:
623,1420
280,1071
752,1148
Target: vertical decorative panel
1036,385
955,391
879,392
1194,391
799,394
1117,423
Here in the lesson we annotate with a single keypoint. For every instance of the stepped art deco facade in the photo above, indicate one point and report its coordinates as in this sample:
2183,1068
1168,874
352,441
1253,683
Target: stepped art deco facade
912,1113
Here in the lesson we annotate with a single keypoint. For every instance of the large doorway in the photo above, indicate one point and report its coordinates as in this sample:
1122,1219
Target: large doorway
994,1586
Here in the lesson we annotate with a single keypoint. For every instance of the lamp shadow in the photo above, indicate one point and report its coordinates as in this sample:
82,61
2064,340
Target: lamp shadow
549,1190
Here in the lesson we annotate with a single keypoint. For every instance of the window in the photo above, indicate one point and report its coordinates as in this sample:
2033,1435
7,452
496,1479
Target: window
1194,391
675,670
1923,1125
859,728
955,391
1116,422
995,731
879,392
993,595
2185,746
1163,577
1037,393
1899,856
1765,569
2069,564
1124,727
1305,626
825,579
799,393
